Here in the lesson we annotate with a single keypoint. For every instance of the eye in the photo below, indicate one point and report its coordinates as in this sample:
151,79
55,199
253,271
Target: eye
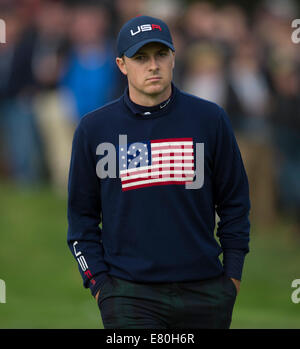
163,53
140,58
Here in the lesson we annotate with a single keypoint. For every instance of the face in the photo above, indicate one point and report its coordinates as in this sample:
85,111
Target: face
150,70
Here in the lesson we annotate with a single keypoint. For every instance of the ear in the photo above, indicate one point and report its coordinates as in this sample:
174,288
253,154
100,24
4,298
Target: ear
173,54
121,64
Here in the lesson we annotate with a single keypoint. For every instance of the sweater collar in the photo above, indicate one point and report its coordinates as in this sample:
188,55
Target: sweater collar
143,112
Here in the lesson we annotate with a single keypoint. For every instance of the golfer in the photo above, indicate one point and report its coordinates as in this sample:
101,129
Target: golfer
148,174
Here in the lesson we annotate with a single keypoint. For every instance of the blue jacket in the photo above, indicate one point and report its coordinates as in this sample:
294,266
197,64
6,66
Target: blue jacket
145,184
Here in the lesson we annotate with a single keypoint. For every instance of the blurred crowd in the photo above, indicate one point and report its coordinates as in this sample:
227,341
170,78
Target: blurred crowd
58,63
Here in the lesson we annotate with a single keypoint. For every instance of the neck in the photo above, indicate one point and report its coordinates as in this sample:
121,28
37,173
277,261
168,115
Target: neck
149,100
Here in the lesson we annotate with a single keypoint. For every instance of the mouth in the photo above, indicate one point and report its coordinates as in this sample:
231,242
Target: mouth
154,78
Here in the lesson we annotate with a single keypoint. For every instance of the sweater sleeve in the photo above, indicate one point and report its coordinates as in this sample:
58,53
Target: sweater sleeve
231,195
84,213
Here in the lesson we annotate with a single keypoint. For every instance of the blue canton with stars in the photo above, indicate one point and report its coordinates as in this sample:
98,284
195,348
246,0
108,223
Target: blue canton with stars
137,154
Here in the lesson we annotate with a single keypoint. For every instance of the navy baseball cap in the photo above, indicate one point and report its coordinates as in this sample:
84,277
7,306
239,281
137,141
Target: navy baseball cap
140,31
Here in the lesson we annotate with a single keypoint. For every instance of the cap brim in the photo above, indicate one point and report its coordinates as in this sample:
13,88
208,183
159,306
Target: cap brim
133,49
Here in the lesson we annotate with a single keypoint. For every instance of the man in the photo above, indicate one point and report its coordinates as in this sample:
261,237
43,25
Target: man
154,167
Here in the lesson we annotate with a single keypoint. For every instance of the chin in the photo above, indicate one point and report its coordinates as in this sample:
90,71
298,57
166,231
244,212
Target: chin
156,88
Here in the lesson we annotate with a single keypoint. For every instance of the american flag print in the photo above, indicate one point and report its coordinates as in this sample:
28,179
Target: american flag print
157,162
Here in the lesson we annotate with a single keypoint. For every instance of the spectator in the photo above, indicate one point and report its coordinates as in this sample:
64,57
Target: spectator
199,22
205,76
285,115
21,143
250,88
248,105
55,122
89,75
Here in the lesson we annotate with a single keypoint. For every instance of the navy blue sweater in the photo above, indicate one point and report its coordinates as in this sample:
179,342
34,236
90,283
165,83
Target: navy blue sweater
159,226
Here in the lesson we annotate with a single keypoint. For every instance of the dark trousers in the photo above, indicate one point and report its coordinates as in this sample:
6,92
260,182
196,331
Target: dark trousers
200,304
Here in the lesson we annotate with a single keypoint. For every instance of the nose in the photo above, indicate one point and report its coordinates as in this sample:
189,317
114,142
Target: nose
153,64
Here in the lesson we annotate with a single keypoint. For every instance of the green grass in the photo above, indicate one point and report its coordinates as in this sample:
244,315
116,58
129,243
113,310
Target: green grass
265,297
44,287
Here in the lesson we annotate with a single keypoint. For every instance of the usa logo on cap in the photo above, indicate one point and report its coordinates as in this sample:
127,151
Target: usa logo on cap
144,28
